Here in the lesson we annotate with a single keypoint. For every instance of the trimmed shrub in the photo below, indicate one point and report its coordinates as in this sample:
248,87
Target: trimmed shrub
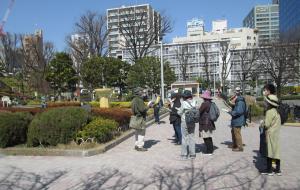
122,116
101,130
95,104
32,111
256,110
62,104
55,126
13,128
121,104
290,97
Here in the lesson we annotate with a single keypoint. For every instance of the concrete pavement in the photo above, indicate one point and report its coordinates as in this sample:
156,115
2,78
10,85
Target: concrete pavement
160,167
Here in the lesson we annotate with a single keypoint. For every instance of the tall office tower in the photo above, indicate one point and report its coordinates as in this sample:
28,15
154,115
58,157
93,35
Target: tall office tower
265,19
146,18
289,19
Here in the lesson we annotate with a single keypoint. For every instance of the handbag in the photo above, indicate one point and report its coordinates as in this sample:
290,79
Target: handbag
137,122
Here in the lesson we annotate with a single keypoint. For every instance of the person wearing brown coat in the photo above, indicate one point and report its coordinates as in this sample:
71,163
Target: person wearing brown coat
206,126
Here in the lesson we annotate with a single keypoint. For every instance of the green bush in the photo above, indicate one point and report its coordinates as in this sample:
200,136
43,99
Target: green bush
256,110
13,128
94,104
121,104
102,130
59,125
291,97
287,90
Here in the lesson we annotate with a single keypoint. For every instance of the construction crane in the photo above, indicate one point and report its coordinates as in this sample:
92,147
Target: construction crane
11,3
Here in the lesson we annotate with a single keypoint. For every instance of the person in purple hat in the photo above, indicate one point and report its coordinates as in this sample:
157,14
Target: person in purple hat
206,125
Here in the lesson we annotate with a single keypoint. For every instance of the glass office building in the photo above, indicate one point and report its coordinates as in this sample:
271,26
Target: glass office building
289,19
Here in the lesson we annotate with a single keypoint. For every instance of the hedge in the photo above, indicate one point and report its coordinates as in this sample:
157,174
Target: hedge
13,128
56,126
62,104
291,97
122,116
101,130
112,104
32,111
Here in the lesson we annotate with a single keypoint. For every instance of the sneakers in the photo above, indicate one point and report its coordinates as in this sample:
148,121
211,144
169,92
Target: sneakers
192,157
142,149
278,173
269,173
237,149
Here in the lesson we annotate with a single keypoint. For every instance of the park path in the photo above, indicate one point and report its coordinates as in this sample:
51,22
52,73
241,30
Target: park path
160,167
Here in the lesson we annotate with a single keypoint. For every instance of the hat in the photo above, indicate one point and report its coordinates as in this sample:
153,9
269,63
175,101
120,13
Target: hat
187,94
206,95
137,91
237,89
272,99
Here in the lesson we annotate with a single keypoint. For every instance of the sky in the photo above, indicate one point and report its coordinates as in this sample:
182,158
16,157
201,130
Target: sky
57,17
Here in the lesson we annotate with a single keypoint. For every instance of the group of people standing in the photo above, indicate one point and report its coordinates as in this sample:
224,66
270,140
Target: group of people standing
185,133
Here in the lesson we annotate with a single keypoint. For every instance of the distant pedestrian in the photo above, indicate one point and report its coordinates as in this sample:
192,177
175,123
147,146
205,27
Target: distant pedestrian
238,120
138,120
206,125
272,126
175,119
156,106
187,131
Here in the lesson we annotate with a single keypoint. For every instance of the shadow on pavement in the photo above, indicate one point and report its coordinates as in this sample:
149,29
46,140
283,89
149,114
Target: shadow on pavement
15,178
149,143
235,175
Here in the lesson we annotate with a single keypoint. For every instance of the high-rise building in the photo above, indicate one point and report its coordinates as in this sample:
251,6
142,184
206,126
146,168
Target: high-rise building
265,19
199,44
116,17
289,19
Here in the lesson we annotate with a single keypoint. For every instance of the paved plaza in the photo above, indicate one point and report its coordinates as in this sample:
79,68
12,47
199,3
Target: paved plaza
160,167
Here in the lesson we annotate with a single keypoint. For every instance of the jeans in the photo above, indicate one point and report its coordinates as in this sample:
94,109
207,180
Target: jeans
139,137
188,140
177,129
156,114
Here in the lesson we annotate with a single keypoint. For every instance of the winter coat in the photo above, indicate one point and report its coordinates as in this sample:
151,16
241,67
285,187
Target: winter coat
272,124
205,124
174,116
138,107
238,113
185,106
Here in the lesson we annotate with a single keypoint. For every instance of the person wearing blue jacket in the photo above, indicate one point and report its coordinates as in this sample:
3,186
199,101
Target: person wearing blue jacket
238,120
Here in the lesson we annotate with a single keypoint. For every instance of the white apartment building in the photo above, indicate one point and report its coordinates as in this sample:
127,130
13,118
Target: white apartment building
238,38
120,16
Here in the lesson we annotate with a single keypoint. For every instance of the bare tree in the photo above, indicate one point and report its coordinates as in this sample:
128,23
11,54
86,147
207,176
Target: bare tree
204,54
281,61
8,52
182,55
226,56
36,57
140,31
246,67
92,26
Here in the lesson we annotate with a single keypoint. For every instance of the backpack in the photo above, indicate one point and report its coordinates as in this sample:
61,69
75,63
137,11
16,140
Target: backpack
192,115
214,112
283,110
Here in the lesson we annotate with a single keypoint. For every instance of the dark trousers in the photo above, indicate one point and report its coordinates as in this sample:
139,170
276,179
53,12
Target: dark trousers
156,114
262,143
269,164
236,137
177,129
209,145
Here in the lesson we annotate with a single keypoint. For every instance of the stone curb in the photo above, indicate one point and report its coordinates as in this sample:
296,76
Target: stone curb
76,153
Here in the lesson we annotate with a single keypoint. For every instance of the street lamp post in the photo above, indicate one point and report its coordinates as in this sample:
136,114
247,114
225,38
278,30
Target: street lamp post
214,80
162,71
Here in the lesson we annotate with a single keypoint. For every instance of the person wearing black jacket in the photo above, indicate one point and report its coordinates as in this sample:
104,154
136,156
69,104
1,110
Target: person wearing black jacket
175,119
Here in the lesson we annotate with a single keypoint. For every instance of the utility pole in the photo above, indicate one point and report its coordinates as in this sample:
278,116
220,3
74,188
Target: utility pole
162,71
